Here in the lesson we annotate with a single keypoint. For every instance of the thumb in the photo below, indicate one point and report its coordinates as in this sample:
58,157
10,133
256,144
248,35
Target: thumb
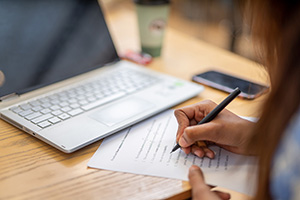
195,176
199,189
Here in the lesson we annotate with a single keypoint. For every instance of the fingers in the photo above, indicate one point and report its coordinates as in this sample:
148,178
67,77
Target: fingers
191,115
186,150
198,151
202,151
201,132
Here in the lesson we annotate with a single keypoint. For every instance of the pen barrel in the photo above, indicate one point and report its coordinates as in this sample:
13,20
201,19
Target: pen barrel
220,107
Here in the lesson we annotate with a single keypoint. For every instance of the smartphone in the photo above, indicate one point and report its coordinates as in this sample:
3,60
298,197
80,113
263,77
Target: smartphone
228,83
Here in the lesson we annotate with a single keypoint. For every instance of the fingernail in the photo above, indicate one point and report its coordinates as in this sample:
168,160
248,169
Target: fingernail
198,153
193,168
182,142
210,154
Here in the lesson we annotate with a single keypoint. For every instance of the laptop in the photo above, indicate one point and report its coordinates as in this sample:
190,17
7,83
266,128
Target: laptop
61,79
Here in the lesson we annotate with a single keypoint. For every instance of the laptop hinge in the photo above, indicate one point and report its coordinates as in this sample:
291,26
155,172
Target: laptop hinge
9,97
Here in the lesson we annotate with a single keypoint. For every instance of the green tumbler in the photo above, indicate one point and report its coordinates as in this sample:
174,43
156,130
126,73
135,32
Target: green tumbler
152,20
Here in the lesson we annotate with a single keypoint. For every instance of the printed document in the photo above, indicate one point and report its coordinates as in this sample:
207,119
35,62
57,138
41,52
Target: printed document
145,149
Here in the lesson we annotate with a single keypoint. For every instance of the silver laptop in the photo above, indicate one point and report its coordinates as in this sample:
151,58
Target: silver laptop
62,81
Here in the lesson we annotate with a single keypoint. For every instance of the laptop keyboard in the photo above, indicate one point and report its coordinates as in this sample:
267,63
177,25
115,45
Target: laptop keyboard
63,105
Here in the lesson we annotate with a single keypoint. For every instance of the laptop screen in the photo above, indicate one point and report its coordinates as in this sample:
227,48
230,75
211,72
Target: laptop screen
42,42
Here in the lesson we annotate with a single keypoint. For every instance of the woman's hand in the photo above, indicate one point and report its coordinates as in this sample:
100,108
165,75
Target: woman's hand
227,130
200,190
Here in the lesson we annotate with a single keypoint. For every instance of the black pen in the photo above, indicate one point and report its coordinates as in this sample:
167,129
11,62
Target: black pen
215,111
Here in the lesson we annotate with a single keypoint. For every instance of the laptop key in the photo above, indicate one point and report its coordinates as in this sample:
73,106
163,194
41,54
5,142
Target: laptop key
55,101
55,107
33,115
89,94
25,112
53,97
74,105
63,98
72,95
35,103
44,100
45,111
130,90
64,116
46,105
81,97
16,109
63,104
25,106
42,118
66,109
83,102
72,100
91,99
57,112
75,112
54,120
44,124
37,108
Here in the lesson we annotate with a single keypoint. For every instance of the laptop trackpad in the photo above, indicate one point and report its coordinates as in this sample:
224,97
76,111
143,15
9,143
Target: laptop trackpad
120,111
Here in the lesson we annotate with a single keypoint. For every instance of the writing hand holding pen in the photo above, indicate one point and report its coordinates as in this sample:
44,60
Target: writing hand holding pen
226,129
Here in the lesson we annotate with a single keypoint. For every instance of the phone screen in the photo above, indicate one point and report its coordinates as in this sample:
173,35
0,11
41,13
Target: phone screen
228,83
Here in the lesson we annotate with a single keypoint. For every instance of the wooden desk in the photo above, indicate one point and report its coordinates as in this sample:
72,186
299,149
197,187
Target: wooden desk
31,169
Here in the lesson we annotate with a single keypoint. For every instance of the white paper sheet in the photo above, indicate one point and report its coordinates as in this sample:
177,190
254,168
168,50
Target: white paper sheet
145,149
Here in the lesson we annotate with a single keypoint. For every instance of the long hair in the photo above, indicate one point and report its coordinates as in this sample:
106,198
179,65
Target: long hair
276,28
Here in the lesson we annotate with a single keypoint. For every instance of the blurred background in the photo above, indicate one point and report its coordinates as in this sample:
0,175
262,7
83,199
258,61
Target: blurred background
218,22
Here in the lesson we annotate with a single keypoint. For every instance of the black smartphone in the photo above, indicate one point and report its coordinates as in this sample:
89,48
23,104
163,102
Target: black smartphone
228,83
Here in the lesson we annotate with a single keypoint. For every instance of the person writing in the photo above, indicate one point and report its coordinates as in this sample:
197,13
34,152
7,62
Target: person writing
275,138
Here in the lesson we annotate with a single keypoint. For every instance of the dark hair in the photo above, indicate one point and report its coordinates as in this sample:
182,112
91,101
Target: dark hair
276,28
